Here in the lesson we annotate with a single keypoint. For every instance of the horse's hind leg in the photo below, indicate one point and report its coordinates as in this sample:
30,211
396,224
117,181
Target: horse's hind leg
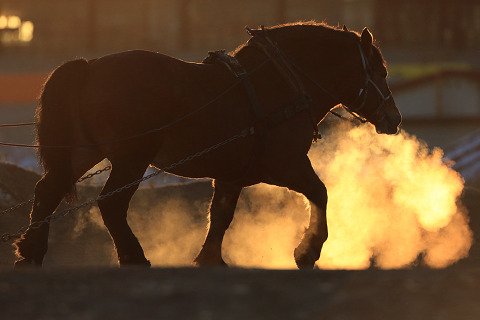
33,244
221,210
114,211
303,179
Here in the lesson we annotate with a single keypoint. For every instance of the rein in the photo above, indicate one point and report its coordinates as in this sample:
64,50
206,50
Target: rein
138,135
261,40
362,95
14,125
289,71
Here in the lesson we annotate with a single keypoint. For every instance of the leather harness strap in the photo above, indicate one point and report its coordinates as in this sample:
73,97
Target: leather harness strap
269,47
262,121
240,73
262,41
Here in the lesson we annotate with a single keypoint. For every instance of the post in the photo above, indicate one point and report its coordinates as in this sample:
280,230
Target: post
281,11
184,27
91,41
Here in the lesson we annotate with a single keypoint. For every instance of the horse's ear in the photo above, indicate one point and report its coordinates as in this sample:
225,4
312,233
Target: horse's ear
345,28
367,41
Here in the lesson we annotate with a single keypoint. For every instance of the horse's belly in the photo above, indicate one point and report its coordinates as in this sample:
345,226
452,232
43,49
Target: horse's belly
197,161
164,162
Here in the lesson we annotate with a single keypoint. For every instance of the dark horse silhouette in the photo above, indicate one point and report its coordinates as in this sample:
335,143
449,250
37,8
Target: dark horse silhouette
97,106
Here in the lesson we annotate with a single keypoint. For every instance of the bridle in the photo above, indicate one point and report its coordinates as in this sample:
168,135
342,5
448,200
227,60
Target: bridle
359,103
261,39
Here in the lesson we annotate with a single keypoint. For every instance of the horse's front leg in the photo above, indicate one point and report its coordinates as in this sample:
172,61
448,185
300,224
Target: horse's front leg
222,208
303,179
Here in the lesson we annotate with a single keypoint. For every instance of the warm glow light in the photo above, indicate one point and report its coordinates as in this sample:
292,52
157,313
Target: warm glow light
26,31
3,22
14,22
392,202
16,30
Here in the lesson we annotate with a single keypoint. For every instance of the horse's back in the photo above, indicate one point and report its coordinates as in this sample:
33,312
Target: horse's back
137,75
138,89
132,92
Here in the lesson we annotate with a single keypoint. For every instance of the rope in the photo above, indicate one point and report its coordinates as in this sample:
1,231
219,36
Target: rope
21,124
56,215
168,125
356,118
21,204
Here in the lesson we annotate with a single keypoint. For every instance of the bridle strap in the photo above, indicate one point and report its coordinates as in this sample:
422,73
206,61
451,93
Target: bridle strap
234,66
290,70
285,67
380,93
362,95
270,48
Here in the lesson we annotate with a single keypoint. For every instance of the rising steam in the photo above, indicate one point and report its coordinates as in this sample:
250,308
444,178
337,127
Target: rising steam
392,202
391,199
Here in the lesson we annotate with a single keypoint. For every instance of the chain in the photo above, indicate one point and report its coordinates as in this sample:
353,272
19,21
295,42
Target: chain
6,237
21,204
15,207
90,175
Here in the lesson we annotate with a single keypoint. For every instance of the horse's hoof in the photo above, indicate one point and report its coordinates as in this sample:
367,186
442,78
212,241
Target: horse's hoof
304,261
143,263
202,261
308,252
210,264
305,257
24,263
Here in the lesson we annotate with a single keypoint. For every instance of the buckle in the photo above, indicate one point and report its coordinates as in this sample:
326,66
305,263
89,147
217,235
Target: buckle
241,74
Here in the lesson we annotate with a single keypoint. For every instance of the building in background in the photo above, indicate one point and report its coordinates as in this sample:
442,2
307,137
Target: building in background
432,46
60,29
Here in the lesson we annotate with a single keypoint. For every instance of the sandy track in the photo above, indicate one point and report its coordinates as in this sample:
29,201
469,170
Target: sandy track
240,294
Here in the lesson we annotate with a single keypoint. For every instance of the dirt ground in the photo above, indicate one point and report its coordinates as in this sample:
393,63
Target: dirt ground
240,294
79,284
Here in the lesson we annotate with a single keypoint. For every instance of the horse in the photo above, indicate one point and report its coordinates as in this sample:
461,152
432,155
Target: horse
141,108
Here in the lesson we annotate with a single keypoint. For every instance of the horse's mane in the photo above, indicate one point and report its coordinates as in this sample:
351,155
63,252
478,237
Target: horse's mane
326,31
308,24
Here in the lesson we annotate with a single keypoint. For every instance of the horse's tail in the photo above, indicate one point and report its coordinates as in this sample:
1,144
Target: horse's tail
59,96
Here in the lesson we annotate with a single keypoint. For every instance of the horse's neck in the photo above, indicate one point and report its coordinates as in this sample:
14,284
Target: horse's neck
322,102
251,58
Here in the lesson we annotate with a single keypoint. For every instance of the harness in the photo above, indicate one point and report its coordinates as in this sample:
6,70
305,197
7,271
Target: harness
359,102
261,121
290,73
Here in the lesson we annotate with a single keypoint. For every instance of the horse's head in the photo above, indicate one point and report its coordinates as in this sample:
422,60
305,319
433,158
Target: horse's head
372,98
347,68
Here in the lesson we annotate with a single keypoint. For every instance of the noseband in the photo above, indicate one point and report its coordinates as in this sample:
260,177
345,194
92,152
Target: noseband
359,102
261,39
289,71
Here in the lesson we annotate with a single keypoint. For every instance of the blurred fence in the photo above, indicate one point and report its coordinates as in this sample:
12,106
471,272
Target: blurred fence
465,153
451,95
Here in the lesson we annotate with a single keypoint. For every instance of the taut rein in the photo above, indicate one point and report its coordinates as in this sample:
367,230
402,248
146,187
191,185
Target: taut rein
290,71
362,95
261,121
287,68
